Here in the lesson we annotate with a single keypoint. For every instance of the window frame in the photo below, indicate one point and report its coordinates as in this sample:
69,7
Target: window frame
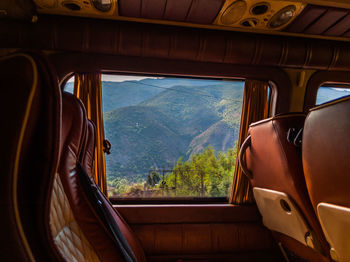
278,80
319,79
174,200
272,98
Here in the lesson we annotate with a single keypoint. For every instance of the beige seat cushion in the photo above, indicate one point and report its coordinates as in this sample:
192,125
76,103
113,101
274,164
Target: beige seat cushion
67,235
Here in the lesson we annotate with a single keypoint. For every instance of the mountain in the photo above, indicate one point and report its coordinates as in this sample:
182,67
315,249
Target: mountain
120,94
176,122
220,136
127,93
191,107
141,137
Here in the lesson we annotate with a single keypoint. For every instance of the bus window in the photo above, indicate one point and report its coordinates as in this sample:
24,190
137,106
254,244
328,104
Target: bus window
171,137
330,92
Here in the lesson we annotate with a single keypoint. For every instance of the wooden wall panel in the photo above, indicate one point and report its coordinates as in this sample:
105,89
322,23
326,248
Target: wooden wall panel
202,232
169,42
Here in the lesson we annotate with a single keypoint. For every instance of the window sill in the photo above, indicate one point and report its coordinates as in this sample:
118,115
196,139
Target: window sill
165,201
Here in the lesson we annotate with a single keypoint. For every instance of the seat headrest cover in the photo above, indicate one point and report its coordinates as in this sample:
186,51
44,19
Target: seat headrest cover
326,150
73,124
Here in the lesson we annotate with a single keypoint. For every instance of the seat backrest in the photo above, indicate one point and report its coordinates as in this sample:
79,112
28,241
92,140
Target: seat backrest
326,162
30,115
279,188
76,228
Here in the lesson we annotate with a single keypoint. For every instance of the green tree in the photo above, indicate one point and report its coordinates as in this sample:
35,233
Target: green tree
205,174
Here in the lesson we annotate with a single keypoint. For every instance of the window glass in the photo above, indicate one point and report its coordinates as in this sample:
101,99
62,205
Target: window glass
171,137
328,93
69,87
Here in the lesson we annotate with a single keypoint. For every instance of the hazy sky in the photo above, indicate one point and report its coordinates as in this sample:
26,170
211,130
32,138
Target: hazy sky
342,89
119,78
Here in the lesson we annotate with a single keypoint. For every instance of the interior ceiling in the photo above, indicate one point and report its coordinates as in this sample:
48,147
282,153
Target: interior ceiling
321,20
325,19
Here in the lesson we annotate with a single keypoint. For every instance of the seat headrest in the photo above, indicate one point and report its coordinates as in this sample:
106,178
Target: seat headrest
282,117
326,150
74,125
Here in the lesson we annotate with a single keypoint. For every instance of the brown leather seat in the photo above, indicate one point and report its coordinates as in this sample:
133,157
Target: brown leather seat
275,167
78,231
326,162
87,157
30,108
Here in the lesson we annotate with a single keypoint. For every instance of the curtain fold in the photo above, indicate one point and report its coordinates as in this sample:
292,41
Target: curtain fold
254,108
87,87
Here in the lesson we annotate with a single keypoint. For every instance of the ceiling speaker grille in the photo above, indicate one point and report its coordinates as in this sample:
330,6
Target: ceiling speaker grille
234,12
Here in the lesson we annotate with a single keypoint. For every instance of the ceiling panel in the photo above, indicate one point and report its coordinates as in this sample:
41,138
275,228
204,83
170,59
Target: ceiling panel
339,28
131,8
329,18
306,18
193,11
321,20
153,9
176,10
204,12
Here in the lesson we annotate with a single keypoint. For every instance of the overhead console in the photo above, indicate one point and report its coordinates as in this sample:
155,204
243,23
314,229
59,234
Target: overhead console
328,20
271,15
257,14
103,8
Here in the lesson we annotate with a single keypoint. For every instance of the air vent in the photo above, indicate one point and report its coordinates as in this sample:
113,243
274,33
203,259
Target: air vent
250,22
71,6
234,12
259,9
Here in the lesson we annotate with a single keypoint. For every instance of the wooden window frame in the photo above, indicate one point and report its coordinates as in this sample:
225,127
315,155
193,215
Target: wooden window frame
321,78
278,80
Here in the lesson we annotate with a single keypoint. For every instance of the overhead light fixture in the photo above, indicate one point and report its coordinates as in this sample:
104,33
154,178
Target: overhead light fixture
282,17
102,5
250,22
